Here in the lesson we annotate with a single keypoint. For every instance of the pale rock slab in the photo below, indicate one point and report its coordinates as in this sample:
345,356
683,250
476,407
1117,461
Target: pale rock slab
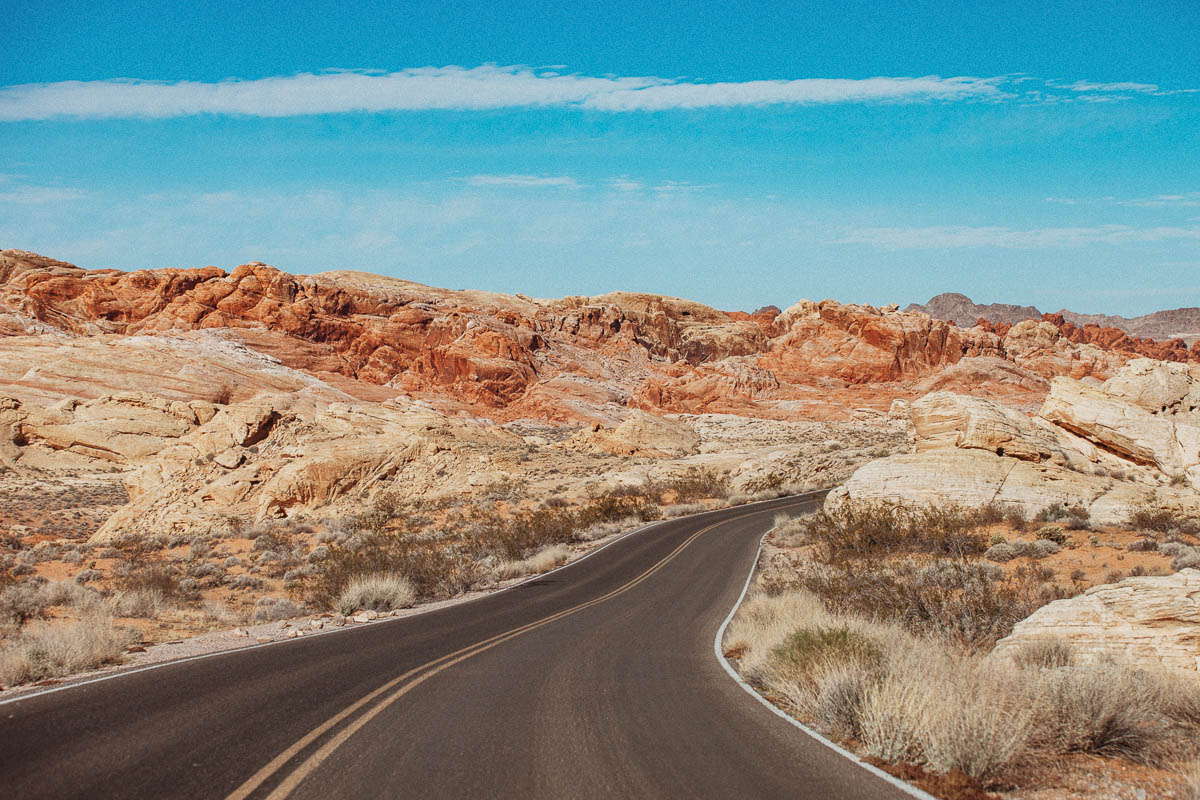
1143,620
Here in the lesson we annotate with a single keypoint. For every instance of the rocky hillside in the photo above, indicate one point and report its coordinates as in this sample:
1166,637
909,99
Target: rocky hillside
1130,443
1176,323
182,333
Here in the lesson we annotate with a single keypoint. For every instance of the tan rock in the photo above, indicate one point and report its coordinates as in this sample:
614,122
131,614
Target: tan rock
944,420
1143,620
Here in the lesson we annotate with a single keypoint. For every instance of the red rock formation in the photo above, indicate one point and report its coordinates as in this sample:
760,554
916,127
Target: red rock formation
511,356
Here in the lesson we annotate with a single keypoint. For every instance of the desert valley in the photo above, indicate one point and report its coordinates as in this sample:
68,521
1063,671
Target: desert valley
196,459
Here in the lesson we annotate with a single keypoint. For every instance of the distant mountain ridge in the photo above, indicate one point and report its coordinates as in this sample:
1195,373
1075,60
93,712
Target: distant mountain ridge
1160,325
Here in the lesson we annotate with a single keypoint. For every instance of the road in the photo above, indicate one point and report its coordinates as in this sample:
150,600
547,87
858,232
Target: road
597,680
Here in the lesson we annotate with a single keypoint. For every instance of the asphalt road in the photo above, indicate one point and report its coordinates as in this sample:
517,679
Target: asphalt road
597,680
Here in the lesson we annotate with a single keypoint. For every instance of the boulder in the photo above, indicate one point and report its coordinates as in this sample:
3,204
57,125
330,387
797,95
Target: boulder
1144,620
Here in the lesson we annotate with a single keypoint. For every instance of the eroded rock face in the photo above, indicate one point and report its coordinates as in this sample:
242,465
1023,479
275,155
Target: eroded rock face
1114,417
1099,447
1144,620
513,357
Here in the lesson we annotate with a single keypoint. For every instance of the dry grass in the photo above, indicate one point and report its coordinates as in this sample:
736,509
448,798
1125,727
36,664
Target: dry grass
50,651
386,591
922,699
542,561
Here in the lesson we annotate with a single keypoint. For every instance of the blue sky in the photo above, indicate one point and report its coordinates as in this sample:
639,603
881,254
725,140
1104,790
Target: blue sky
738,154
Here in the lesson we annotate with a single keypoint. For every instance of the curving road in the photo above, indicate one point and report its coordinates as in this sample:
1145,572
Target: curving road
597,680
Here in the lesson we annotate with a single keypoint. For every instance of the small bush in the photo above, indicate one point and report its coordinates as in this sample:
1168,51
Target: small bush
857,530
1017,519
542,561
376,592
1161,519
1103,710
1052,533
1047,653
53,651
1053,513
269,609
801,653
1002,552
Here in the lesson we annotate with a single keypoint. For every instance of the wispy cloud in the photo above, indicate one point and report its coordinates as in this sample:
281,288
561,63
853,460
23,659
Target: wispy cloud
941,237
560,181
1176,200
23,195
457,88
1120,86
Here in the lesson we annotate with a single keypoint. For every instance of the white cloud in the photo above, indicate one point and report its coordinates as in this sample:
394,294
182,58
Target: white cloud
1183,200
1122,86
560,181
939,237
39,195
457,88
624,184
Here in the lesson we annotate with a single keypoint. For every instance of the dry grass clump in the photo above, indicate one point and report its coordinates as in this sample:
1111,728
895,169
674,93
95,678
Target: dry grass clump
541,561
922,699
385,591
1161,519
269,609
29,600
50,651
855,530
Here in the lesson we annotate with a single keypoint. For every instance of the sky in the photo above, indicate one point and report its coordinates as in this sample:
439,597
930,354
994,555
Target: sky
746,154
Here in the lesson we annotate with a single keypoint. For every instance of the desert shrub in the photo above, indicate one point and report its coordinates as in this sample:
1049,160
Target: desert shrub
1187,560
541,561
269,609
971,723
143,603
1045,653
1016,518
864,529
434,569
891,718
1102,710
1052,533
52,651
385,591
1002,552
527,532
970,603
805,650
246,582
1161,519
1078,519
1053,513
1042,548
1144,545
694,484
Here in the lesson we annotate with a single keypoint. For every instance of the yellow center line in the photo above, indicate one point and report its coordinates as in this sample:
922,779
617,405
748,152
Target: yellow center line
429,669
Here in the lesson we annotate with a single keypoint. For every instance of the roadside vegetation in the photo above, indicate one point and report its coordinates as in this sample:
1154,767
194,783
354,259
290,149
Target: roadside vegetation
874,624
68,606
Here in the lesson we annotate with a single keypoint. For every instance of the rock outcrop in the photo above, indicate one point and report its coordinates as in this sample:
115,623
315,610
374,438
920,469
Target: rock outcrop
1127,443
1143,333
1143,620
584,359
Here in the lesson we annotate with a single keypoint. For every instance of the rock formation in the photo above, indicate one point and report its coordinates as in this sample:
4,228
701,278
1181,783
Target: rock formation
586,359
1131,441
1144,331
1143,620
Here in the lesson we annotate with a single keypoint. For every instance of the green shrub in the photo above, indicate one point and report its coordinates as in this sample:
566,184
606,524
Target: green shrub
806,650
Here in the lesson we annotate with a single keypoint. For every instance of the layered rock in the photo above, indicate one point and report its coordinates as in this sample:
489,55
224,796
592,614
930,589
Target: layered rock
974,451
1142,620
510,357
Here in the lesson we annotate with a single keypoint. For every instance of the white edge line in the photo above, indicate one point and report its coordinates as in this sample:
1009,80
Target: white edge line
777,711
121,673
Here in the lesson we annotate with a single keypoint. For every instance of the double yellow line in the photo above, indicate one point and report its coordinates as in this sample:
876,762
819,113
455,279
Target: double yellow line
403,684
